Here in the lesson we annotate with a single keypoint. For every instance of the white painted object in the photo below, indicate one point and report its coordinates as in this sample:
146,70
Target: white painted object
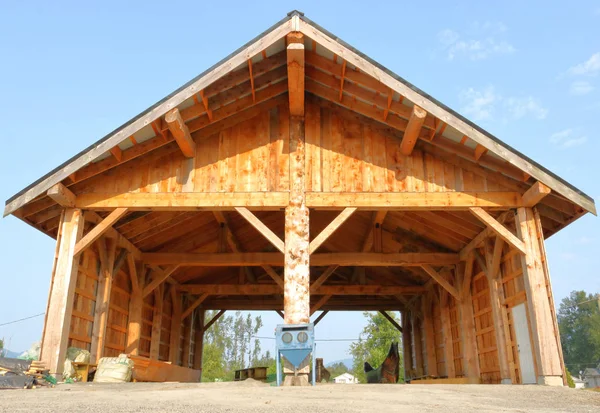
524,344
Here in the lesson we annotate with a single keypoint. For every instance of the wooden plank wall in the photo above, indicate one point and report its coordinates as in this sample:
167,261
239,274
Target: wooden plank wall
82,318
344,154
484,329
252,156
118,315
146,334
439,338
165,326
456,336
514,293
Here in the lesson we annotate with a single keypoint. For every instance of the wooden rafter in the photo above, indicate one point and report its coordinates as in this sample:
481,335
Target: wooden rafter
331,228
160,276
117,153
261,228
498,228
209,112
295,64
62,195
214,319
181,133
251,80
390,97
99,229
479,151
475,242
342,80
347,259
441,281
413,130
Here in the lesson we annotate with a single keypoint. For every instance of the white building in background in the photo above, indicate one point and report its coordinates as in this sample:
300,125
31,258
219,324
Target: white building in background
345,378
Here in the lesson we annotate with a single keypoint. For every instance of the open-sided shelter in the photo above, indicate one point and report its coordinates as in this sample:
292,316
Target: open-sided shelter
299,175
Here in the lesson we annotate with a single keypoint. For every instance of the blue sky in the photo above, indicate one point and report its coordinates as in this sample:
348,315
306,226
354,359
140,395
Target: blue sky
529,72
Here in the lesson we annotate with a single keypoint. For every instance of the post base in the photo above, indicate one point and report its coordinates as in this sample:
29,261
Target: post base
550,380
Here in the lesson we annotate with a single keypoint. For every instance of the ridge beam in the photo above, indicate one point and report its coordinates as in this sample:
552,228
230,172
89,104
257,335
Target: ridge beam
295,65
411,134
180,132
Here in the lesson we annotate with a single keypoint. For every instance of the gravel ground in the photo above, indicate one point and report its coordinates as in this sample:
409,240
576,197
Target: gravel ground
254,396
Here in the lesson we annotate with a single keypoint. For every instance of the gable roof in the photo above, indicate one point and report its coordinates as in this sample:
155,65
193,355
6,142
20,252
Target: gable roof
295,21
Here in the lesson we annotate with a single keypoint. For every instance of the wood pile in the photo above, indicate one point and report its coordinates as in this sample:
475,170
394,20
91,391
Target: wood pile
37,369
22,374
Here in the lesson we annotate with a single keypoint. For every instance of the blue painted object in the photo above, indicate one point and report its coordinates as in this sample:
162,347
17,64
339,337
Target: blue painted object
295,342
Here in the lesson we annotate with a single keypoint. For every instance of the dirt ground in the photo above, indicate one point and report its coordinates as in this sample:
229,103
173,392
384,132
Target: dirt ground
258,397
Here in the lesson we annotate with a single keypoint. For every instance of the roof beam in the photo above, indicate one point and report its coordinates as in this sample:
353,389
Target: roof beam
331,228
117,153
535,194
320,317
295,64
251,80
160,276
413,130
344,259
180,132
498,228
62,195
98,230
194,305
270,289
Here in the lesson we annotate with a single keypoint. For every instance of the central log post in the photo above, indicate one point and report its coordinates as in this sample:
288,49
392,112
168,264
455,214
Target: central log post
296,296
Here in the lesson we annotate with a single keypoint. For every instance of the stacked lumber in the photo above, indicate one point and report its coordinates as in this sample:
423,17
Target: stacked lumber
37,369
145,369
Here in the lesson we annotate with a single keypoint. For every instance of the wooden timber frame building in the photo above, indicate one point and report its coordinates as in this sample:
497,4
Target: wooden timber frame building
298,175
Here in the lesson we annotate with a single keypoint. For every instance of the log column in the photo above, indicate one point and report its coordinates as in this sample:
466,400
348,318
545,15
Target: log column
546,350
467,323
136,304
62,291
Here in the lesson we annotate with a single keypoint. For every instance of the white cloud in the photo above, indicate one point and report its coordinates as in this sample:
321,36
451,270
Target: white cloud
487,104
580,88
520,107
481,45
567,139
590,67
478,104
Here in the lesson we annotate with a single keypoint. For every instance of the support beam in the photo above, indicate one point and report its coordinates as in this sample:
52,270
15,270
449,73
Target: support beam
535,194
316,306
322,278
62,195
156,322
195,303
62,290
478,240
181,133
280,313
447,336
214,319
107,250
391,320
441,281
187,340
233,242
99,229
117,153
176,320
498,228
160,276
415,323
295,64
331,228
136,304
320,317
411,134
261,228
546,351
122,242
199,342
376,222
343,259
270,289
273,274
467,323
430,353
414,201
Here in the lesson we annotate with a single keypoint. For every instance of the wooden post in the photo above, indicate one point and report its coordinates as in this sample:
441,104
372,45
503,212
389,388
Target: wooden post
417,343
296,297
447,334
60,305
199,341
406,345
467,324
107,250
136,304
156,323
175,327
546,350
429,336
187,339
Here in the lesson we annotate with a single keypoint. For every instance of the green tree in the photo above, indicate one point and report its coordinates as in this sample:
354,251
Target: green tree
1,347
579,326
336,369
374,344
